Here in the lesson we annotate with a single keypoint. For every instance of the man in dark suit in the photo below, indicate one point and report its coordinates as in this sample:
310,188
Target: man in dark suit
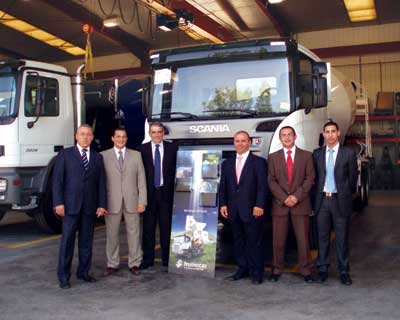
79,194
290,178
159,159
336,168
242,195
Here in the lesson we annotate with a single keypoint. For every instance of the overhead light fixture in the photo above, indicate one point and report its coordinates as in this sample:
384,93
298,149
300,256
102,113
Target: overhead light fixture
111,22
360,10
39,34
275,1
166,22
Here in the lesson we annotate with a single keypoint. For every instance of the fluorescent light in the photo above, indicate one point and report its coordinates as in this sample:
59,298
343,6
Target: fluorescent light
360,10
275,1
164,28
111,22
39,34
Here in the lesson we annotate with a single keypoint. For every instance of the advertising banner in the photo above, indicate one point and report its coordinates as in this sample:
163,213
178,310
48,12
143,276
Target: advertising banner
195,213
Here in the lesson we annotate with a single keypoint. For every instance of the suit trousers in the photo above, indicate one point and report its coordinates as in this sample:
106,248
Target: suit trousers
158,209
132,226
300,223
248,245
84,224
328,214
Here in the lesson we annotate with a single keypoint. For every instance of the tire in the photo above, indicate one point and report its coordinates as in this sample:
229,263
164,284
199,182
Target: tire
44,216
2,214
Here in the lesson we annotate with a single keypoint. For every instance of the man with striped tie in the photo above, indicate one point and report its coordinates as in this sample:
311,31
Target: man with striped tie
79,195
336,180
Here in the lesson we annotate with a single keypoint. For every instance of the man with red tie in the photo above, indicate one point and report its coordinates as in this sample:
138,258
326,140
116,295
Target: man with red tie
290,178
242,195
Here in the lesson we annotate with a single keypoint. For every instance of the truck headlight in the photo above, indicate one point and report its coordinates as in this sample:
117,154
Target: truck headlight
3,185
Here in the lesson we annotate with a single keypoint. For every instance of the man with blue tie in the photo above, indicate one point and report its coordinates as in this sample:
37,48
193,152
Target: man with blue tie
336,181
159,160
242,195
79,195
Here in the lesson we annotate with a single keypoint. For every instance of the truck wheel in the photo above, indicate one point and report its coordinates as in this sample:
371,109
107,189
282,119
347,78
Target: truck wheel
44,216
2,213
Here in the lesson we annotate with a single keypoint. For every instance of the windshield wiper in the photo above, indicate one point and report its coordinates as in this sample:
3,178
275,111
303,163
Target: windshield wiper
183,115
246,111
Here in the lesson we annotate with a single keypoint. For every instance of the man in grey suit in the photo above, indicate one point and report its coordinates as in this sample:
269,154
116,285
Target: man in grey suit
127,196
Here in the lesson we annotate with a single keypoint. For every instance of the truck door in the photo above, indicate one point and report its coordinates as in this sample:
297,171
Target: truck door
54,127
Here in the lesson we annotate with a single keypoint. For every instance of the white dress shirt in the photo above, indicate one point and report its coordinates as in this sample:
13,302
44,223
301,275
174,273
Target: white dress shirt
293,152
118,150
87,153
153,150
244,158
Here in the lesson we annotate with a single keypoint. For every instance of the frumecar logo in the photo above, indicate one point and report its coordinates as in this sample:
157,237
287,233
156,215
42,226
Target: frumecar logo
209,128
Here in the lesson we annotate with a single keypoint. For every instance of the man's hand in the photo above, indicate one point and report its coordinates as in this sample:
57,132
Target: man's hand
60,210
224,212
140,208
101,212
291,201
258,212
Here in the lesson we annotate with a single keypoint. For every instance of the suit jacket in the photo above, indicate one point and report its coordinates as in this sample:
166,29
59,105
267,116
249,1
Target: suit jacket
128,185
76,188
303,176
346,173
168,169
250,192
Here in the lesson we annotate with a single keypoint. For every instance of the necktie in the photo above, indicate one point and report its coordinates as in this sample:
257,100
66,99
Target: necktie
120,160
157,166
239,167
330,173
289,166
84,158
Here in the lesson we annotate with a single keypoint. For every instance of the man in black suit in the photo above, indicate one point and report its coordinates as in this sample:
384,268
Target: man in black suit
242,194
159,159
79,194
336,180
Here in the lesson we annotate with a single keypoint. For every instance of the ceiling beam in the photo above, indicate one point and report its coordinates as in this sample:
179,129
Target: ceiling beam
204,22
233,14
358,50
276,20
135,45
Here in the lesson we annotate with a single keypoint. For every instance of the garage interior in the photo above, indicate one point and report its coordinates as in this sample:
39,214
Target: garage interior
367,52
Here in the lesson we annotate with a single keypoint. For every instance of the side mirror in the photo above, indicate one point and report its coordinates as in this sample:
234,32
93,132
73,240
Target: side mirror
39,100
319,85
146,96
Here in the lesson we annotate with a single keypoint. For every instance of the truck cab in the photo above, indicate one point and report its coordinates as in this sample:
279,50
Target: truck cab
36,121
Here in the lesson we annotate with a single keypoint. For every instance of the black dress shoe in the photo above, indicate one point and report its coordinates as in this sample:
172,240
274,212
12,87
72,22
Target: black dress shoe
87,278
274,277
65,284
257,281
237,276
144,266
345,279
322,277
308,279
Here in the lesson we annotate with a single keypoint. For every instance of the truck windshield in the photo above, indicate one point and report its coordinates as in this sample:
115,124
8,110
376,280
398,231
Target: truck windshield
257,88
7,96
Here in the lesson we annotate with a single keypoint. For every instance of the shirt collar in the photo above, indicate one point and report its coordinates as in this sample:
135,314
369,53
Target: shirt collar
118,150
293,149
244,155
336,148
153,145
80,148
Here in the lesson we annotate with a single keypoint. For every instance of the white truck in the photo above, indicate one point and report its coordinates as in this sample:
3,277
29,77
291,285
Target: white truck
205,94
38,117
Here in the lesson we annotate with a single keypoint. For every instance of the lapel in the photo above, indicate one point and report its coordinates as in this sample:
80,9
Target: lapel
323,161
245,169
339,156
115,159
92,160
77,156
164,156
282,163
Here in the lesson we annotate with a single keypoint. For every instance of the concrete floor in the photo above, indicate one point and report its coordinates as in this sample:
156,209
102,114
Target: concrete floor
29,287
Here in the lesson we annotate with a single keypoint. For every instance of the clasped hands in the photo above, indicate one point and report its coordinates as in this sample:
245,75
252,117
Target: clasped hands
291,201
